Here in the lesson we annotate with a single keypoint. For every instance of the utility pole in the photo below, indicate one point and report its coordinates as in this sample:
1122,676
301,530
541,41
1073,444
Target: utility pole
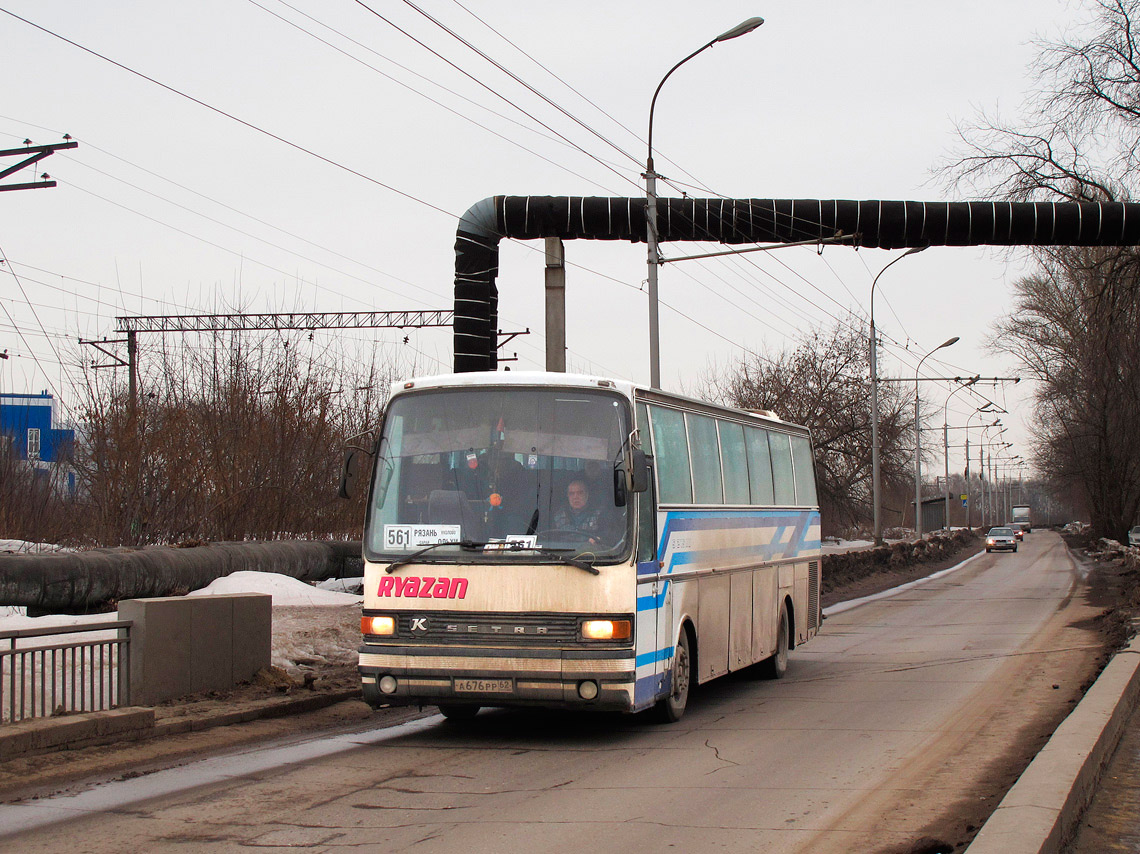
555,305
269,322
32,154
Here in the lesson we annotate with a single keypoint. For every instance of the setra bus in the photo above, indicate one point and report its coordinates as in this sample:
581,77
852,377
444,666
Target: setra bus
566,541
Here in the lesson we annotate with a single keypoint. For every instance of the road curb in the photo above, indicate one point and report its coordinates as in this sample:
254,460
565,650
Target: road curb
1039,814
70,732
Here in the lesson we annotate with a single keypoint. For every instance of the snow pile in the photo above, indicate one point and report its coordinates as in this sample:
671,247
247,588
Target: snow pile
284,589
23,547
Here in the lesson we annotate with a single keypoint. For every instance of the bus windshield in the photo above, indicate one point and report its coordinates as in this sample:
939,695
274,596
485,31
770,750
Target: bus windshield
500,475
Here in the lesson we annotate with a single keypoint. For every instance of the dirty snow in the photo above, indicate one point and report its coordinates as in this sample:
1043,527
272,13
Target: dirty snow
312,627
284,589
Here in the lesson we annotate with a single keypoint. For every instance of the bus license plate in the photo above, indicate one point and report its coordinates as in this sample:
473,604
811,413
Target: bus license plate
484,686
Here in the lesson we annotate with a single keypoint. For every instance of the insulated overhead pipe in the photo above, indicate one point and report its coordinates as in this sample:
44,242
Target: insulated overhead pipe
876,224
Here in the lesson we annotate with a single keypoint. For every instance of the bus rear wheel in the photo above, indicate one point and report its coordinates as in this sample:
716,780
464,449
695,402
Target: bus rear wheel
671,708
776,665
458,711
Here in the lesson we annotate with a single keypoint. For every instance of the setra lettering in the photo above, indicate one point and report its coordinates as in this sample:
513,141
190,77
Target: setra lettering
415,587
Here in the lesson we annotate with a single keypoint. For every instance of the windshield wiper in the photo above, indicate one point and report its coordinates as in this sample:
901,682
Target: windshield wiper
466,545
473,545
555,553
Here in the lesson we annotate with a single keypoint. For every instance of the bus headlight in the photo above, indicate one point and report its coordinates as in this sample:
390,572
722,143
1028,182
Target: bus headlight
378,625
606,629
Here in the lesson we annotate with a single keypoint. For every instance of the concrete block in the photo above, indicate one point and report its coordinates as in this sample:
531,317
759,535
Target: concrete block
252,635
185,644
160,652
211,643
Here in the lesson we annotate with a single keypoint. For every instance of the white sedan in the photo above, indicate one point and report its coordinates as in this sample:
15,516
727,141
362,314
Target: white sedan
1001,539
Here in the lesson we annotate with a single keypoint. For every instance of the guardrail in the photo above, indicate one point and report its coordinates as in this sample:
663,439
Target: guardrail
73,675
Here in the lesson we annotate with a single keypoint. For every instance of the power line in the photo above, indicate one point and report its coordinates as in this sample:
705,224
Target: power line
232,117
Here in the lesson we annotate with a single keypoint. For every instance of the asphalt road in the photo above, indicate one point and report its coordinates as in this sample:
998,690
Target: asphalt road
896,712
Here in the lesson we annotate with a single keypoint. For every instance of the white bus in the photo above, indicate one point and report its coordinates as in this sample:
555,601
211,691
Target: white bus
554,540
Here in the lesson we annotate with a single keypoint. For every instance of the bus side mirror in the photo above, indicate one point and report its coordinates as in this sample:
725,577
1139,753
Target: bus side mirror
637,471
356,465
357,462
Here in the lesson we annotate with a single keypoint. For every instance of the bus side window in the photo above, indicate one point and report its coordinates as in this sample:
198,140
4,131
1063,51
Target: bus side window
734,461
704,453
759,466
671,455
647,523
805,470
782,468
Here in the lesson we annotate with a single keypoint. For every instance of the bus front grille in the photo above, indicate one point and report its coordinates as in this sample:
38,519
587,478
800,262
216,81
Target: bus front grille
498,629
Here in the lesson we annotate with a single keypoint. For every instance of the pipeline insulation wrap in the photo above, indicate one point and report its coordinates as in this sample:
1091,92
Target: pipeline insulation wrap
877,224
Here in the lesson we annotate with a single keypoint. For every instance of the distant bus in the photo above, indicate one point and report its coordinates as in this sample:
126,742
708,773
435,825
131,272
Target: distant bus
1021,517
555,540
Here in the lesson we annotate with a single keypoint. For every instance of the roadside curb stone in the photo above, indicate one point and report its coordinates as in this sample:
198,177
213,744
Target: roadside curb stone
70,732
1040,813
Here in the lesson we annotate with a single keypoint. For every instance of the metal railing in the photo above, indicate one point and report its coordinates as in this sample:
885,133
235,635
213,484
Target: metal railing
39,679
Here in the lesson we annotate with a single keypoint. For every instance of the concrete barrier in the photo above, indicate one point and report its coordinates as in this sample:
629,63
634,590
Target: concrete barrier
1039,814
44,734
186,644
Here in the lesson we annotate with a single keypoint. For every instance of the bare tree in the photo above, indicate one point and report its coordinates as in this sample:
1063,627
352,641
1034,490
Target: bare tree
1077,331
824,383
1075,325
1079,133
233,440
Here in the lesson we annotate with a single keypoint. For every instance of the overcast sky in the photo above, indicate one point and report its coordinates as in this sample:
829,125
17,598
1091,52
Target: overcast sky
168,206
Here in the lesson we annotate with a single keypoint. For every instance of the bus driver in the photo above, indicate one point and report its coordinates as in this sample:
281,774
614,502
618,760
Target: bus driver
579,516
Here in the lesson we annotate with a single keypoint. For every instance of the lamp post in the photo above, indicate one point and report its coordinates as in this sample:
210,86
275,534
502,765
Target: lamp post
876,479
946,445
918,439
740,29
985,407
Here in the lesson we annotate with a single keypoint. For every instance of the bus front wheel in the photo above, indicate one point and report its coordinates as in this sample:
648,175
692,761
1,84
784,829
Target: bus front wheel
670,709
776,665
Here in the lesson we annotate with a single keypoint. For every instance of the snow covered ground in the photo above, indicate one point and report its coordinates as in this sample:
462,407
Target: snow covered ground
314,627
24,547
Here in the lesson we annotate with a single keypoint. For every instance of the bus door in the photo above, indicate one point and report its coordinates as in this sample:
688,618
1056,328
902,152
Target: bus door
653,611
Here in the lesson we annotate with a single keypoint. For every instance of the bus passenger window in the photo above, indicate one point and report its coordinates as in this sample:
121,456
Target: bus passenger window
671,456
759,466
704,451
734,461
782,468
805,470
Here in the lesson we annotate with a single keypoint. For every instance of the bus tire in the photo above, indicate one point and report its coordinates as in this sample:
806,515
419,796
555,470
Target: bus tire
671,708
458,712
776,665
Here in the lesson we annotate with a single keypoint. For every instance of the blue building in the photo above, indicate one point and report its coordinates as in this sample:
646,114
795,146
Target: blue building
29,424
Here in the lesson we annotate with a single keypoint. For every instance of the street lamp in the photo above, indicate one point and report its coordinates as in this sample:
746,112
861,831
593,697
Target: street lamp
946,444
651,203
918,439
876,483
985,407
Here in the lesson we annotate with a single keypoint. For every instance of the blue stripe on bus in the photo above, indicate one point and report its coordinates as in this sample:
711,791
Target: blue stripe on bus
652,603
647,658
697,520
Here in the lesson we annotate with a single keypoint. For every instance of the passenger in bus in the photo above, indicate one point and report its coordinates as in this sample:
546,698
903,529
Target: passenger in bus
583,516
